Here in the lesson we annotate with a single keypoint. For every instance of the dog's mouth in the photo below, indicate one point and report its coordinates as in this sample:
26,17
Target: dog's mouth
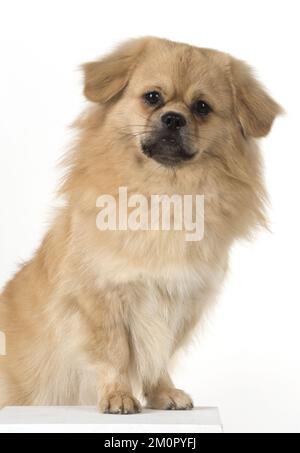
168,150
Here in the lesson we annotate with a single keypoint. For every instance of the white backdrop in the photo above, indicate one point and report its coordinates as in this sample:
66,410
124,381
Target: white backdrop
246,359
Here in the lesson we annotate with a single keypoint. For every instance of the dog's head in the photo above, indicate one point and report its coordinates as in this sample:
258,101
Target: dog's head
174,102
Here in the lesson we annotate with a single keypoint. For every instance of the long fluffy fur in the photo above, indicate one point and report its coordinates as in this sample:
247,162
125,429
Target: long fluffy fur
91,312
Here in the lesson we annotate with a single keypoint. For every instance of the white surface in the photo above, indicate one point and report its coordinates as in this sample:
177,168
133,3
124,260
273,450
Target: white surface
248,356
87,419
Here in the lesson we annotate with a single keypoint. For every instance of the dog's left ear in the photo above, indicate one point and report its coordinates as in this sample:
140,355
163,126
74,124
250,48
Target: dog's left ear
255,109
106,78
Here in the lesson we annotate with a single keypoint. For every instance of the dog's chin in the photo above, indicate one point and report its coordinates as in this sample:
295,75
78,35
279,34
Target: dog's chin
168,155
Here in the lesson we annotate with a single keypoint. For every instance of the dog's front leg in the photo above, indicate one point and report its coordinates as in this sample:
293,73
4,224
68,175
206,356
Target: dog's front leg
164,395
113,383
107,346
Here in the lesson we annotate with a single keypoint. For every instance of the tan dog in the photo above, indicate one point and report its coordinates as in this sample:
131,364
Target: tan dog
95,311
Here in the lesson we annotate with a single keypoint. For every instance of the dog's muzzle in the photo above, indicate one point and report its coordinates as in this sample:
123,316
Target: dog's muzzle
167,146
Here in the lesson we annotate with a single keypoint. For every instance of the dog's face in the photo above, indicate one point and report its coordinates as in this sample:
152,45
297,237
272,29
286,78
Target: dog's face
180,104
172,102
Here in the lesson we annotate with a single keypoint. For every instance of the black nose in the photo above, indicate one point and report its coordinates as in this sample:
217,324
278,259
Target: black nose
173,120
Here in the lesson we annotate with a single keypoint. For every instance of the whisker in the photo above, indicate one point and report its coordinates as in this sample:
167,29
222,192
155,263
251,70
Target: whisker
138,125
133,134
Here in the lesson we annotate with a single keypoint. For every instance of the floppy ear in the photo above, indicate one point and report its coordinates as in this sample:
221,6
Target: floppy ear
255,109
106,78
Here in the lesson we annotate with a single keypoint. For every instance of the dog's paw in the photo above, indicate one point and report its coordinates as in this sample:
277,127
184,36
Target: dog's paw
120,403
171,399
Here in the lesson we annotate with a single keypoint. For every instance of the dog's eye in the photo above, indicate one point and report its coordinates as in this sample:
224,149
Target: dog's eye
153,98
201,108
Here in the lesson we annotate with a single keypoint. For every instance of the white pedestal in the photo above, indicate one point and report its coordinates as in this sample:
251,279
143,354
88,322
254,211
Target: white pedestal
88,420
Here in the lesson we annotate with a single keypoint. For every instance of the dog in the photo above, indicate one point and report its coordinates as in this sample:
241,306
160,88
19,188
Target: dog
96,316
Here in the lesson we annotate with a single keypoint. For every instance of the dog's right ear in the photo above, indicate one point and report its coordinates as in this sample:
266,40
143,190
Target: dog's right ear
106,78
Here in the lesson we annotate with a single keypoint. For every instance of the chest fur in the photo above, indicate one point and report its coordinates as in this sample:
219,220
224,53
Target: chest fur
162,313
